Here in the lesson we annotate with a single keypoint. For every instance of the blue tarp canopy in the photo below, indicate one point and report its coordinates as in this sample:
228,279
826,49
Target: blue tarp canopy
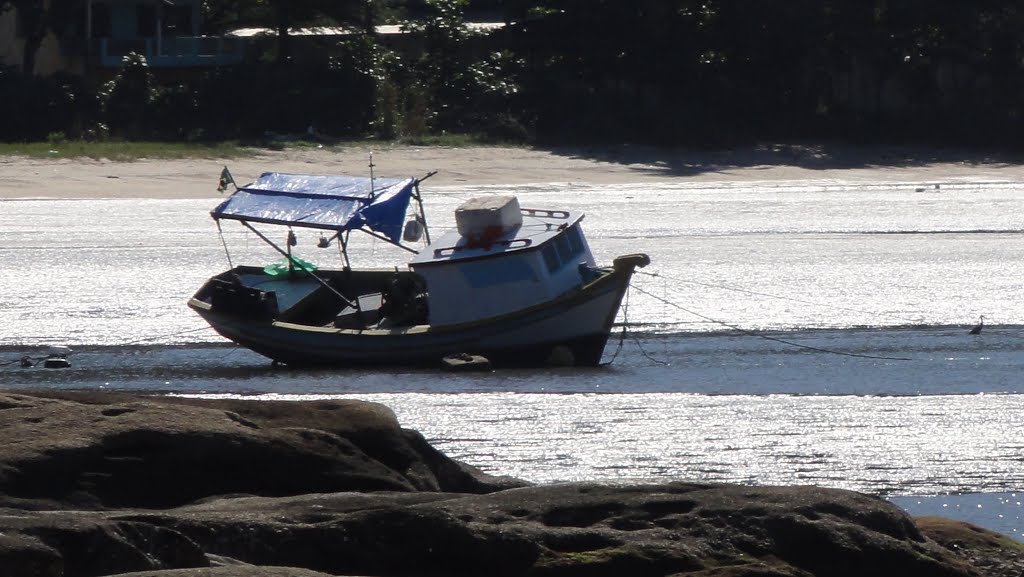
336,203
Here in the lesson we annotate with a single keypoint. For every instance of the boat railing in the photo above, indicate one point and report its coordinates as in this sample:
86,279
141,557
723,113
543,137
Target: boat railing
544,213
450,250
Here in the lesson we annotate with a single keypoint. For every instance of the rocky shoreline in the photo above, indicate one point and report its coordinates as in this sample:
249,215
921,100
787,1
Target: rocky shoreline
97,484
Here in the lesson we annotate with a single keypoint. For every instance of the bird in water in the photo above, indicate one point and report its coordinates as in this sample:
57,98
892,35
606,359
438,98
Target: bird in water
977,328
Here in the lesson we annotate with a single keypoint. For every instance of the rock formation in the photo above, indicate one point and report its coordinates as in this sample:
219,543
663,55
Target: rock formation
104,484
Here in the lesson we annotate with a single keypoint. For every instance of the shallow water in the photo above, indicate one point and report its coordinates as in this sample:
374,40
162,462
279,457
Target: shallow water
785,333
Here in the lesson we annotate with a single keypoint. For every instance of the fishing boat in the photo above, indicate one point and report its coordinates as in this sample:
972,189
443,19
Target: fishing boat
517,286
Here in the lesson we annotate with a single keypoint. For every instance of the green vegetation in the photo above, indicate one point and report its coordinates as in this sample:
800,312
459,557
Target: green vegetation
708,72
56,146
122,150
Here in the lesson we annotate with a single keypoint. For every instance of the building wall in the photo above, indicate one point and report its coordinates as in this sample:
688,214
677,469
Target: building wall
49,57
10,46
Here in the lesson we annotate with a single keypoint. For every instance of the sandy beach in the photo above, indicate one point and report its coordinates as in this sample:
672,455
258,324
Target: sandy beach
197,178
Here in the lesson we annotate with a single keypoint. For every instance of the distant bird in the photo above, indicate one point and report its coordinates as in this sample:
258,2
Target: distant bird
977,328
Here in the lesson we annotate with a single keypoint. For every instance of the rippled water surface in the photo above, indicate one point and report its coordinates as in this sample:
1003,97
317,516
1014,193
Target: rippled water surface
785,333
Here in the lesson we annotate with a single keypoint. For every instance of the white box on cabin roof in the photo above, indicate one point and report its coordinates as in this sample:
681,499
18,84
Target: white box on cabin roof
488,217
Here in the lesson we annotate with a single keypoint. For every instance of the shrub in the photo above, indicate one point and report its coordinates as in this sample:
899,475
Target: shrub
128,100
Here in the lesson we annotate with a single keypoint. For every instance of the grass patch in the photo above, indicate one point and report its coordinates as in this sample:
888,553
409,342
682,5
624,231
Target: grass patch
446,140
449,140
123,151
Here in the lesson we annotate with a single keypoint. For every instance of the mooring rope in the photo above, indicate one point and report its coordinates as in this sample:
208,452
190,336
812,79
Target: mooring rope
153,338
770,295
622,335
22,359
763,336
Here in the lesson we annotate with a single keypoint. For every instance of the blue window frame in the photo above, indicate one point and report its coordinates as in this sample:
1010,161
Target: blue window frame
560,250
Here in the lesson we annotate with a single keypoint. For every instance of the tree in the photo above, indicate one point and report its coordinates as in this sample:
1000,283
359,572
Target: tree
454,78
608,69
128,99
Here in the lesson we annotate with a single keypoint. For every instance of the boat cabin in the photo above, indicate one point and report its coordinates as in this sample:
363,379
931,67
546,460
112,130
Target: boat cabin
502,258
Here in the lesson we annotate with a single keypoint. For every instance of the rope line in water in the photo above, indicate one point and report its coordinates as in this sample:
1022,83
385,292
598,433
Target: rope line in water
774,296
766,337
142,340
625,323
622,335
646,355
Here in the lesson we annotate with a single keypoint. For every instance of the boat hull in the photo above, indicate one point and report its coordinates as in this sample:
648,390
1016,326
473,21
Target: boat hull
570,330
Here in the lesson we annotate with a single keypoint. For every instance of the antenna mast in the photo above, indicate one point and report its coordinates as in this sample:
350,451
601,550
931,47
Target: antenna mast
371,176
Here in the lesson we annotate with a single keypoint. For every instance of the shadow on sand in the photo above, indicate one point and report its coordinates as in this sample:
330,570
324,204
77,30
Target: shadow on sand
691,162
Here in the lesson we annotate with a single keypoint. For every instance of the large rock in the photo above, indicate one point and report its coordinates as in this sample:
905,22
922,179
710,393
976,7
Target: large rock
559,530
97,485
575,529
100,450
993,554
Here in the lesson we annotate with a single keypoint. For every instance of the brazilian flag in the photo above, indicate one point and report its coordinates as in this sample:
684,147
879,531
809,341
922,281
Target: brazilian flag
225,180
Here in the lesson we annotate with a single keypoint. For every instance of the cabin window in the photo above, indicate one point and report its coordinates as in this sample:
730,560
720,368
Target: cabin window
575,239
551,257
564,250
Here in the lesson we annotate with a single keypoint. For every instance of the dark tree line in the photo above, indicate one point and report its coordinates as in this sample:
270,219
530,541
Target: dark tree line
700,71
655,71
